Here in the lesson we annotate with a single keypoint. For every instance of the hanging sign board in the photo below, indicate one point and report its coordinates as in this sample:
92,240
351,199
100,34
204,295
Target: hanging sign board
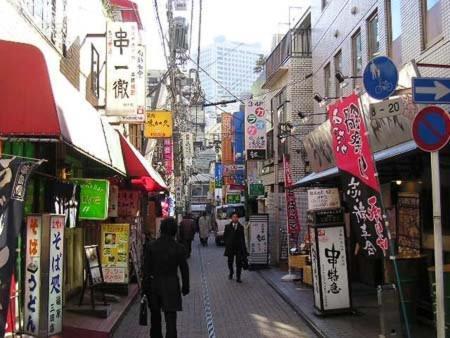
121,67
32,274
94,198
323,198
159,124
115,252
255,130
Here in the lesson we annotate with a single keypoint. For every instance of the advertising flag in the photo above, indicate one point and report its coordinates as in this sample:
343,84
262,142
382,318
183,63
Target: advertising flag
14,175
354,159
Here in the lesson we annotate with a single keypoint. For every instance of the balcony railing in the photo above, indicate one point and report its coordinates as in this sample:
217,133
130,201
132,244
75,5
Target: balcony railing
294,44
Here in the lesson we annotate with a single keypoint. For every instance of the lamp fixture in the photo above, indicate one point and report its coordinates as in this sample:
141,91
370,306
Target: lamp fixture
322,100
341,78
303,115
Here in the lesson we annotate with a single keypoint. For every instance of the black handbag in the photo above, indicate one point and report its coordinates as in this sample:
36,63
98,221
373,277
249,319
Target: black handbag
143,311
244,262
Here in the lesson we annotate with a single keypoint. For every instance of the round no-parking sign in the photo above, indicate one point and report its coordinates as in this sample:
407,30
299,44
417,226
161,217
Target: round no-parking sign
431,129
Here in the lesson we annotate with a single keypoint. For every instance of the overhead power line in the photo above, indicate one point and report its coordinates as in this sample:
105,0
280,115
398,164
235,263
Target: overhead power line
163,40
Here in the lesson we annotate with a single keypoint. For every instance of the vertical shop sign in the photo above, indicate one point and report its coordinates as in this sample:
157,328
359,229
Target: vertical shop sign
255,130
113,203
64,199
258,239
32,275
218,175
168,156
354,159
333,268
227,139
293,221
121,68
114,251
14,175
56,268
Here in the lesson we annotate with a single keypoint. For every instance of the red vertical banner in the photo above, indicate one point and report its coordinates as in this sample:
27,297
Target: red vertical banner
293,221
354,159
168,155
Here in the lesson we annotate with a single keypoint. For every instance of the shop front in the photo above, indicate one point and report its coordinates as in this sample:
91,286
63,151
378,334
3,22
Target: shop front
86,177
404,175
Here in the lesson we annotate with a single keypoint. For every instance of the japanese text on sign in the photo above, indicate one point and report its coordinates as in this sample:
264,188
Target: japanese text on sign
56,281
255,127
32,274
121,67
159,124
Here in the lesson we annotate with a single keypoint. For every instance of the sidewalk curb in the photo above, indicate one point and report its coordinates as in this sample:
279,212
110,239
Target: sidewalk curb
295,307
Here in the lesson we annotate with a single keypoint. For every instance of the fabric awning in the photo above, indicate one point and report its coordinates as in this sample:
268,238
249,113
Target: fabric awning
379,156
41,103
129,11
140,169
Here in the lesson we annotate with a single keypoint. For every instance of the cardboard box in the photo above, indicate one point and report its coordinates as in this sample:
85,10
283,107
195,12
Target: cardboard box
307,275
298,261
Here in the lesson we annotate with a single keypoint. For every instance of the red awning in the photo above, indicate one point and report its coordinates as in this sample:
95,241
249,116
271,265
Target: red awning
129,11
26,93
139,168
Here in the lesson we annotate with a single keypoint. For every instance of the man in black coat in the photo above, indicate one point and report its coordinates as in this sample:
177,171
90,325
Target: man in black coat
235,248
161,284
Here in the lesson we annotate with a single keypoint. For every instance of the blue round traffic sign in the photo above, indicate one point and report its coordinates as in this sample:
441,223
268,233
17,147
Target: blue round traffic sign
431,129
380,77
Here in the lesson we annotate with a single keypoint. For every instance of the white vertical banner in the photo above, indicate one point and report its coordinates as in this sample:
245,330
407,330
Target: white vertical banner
32,275
255,130
56,280
121,68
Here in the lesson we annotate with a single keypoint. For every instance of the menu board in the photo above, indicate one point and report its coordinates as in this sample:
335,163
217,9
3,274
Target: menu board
115,252
258,248
94,198
93,264
408,226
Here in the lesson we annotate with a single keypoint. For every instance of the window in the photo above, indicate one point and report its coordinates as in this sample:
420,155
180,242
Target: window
432,21
395,39
327,80
338,68
357,54
95,71
373,37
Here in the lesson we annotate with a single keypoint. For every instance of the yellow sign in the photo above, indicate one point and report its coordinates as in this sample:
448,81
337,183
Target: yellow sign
159,124
114,252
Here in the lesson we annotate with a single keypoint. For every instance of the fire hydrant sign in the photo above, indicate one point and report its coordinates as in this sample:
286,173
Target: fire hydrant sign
114,252
56,281
32,274
94,198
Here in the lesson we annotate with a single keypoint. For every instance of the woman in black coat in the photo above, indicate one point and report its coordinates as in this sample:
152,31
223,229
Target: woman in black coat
161,284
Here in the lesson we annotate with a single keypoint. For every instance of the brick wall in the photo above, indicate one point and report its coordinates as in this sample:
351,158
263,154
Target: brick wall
70,64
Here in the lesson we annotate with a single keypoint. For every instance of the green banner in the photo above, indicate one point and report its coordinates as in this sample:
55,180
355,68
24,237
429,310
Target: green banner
93,198
233,198
256,189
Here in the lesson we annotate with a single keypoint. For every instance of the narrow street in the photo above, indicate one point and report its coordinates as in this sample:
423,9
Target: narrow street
225,308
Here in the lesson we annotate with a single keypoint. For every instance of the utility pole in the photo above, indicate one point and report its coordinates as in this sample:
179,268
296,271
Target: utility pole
275,257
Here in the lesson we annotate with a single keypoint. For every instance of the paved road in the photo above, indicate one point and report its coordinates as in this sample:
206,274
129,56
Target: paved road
220,308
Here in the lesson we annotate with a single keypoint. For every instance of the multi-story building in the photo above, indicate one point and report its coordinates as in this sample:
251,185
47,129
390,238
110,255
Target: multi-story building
231,64
286,92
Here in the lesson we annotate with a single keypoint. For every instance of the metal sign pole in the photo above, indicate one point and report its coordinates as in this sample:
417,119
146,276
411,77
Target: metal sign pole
438,260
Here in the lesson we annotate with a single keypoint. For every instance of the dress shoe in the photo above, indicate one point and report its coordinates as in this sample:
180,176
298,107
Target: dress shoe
239,280
230,276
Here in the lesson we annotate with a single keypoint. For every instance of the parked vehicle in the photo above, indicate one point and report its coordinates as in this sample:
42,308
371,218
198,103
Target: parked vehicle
222,215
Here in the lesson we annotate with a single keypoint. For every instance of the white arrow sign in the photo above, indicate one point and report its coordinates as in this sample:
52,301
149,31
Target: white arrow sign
439,90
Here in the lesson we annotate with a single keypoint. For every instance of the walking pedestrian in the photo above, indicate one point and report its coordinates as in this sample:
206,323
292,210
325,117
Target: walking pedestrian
235,248
204,224
163,258
187,232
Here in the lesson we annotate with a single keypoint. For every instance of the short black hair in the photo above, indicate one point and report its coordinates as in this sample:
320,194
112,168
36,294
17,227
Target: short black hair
169,227
235,213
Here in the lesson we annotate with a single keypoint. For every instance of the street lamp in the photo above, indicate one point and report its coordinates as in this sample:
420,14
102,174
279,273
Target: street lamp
341,78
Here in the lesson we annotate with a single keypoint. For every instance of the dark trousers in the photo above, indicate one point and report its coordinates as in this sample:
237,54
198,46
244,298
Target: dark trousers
155,318
188,245
238,258
204,241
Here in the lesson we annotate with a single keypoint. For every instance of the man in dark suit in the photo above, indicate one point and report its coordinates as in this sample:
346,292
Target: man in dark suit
161,284
235,248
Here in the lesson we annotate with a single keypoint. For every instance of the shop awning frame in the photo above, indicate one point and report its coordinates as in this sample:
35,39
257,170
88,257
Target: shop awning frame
379,156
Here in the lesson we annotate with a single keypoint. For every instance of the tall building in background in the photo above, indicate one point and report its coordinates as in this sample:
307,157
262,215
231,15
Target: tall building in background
231,64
